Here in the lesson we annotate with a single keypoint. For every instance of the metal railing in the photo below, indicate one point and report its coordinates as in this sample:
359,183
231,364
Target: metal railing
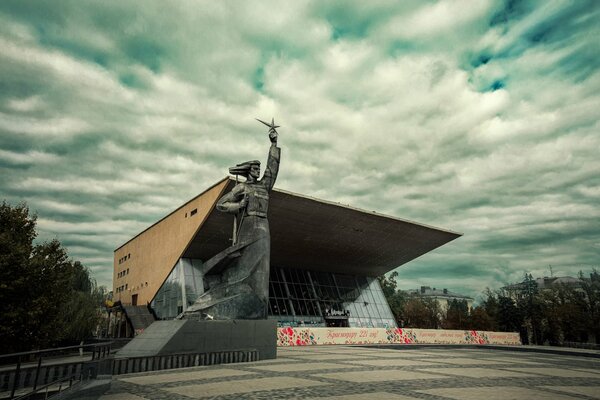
40,379
24,373
183,360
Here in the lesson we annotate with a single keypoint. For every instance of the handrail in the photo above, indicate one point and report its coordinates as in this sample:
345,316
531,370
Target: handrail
47,386
102,349
55,349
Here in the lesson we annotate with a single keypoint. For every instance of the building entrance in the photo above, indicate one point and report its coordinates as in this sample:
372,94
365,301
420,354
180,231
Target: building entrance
337,322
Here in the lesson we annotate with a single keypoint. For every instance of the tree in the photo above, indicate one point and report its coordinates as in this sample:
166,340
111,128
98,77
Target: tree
480,320
489,305
530,308
396,298
45,297
420,312
388,284
590,303
457,315
509,317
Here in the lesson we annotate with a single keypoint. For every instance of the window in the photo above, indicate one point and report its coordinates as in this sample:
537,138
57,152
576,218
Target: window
194,211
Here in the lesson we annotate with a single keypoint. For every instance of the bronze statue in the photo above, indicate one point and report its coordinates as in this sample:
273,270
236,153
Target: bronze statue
238,277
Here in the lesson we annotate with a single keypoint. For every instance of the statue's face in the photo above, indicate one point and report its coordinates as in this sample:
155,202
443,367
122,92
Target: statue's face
255,171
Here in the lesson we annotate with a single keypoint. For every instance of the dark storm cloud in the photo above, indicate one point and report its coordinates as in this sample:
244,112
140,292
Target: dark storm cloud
480,117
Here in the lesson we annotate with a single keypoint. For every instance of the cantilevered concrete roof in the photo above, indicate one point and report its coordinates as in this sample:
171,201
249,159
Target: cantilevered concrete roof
315,234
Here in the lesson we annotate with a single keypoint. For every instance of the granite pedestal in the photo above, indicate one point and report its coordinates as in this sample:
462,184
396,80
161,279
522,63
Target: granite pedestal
189,336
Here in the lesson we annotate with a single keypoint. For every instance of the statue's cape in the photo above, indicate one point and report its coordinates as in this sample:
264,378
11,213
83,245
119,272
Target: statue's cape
222,260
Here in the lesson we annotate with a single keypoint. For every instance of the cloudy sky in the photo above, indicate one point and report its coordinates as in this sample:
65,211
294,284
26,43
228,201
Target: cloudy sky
477,116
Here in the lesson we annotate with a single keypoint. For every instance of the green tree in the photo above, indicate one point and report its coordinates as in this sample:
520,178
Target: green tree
421,312
45,298
590,303
480,320
457,315
509,317
396,298
489,305
530,307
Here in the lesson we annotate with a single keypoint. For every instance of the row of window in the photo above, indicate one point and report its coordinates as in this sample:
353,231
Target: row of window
123,273
122,288
124,258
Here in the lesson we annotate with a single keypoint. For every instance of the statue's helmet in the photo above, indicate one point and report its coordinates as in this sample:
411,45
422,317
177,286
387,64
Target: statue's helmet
243,169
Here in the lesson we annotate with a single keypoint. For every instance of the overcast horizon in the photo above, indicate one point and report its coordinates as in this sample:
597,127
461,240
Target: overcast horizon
479,117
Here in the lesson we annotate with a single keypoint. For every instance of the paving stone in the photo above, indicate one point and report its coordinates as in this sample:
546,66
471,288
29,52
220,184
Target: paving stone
366,396
398,354
394,362
121,396
560,372
511,360
495,393
380,375
466,361
184,376
301,367
317,357
591,391
242,386
476,372
346,372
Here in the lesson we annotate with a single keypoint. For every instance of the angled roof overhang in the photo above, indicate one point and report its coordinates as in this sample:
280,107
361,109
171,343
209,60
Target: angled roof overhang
313,234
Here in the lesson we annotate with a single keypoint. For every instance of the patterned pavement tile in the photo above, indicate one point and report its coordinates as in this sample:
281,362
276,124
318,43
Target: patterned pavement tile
366,396
204,373
495,393
476,372
399,354
394,362
318,357
121,396
355,373
301,367
511,360
559,372
242,386
466,361
380,375
591,391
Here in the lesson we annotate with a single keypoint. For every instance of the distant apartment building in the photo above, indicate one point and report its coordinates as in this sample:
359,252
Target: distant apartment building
442,296
517,291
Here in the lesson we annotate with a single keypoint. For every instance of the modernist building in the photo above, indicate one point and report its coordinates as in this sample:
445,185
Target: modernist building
325,258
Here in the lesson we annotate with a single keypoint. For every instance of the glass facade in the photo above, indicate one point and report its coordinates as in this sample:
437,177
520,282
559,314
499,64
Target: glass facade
296,297
184,282
310,298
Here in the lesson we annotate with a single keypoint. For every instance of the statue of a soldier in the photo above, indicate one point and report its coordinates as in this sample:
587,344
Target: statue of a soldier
241,289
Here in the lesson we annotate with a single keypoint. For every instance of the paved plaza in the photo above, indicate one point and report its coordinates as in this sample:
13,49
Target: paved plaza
343,372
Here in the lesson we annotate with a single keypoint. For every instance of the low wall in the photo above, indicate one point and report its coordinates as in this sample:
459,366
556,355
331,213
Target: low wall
299,336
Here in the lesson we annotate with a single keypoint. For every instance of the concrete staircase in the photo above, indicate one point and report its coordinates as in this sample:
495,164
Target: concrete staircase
139,317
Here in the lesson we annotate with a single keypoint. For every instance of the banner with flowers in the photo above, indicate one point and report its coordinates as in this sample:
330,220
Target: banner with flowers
300,336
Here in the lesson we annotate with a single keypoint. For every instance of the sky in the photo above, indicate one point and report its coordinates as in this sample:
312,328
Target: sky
478,116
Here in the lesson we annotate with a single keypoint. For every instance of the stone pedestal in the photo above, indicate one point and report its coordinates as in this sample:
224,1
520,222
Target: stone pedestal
188,336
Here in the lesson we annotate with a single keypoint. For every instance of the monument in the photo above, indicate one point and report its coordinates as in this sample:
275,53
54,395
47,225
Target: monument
238,277
231,314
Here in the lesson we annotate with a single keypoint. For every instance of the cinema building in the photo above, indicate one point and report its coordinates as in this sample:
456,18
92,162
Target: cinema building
325,258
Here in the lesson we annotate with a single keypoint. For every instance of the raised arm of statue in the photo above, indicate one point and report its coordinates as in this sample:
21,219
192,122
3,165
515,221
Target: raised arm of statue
233,202
272,168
